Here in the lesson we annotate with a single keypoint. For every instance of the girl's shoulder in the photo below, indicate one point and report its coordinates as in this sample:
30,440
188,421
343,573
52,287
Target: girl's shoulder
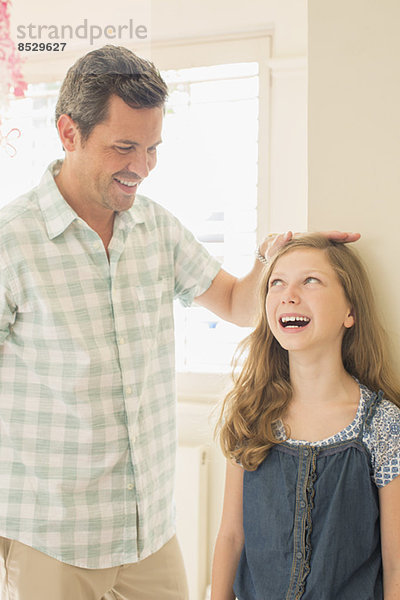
382,437
380,408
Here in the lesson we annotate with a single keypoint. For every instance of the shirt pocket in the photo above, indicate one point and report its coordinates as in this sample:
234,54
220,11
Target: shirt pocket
155,308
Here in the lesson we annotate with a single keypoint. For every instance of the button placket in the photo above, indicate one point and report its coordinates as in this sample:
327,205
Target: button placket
300,524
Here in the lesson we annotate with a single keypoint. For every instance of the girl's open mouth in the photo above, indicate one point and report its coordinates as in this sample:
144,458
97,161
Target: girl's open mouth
294,322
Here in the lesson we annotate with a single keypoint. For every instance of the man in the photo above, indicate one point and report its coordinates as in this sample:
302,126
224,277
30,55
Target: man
89,270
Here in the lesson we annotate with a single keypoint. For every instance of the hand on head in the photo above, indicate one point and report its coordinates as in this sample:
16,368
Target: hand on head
275,241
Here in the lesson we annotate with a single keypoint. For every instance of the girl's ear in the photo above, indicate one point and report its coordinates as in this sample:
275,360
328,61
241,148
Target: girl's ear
349,320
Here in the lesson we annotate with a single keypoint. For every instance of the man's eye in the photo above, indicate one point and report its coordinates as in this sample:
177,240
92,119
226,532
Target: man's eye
123,148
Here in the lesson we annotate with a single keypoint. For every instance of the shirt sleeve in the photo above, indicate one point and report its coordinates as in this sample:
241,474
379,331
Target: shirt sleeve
195,268
383,441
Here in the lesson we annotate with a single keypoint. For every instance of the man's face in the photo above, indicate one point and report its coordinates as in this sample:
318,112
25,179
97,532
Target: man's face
118,154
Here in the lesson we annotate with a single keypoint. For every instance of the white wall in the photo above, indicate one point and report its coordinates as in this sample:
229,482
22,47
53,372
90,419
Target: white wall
354,134
181,18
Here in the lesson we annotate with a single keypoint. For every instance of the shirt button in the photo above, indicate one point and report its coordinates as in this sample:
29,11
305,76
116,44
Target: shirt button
306,452
302,504
121,340
130,486
129,390
299,555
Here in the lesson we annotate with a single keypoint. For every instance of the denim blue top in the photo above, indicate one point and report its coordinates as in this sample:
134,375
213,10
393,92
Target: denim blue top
311,518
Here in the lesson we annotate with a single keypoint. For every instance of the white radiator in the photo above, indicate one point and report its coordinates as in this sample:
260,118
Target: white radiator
191,515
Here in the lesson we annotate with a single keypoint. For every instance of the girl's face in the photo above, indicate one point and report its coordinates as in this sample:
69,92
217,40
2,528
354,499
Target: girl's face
306,304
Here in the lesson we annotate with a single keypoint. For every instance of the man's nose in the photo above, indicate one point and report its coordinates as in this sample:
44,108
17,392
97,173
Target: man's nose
140,165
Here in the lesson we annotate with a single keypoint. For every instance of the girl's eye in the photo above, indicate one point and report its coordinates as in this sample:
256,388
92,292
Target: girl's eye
275,282
311,280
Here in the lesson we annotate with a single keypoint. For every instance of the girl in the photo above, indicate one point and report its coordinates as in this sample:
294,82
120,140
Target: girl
311,431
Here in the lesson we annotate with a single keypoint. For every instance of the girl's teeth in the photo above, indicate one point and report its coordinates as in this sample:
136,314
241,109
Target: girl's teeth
294,322
294,319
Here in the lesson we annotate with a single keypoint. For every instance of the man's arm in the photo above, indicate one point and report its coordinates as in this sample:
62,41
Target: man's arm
236,300
233,299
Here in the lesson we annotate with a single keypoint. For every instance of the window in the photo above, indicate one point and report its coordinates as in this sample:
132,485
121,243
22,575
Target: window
207,177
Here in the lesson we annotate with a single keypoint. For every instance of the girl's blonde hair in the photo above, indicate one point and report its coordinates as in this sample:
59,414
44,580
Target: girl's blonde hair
262,389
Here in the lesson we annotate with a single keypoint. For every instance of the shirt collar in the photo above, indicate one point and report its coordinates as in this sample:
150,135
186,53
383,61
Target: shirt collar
133,216
58,214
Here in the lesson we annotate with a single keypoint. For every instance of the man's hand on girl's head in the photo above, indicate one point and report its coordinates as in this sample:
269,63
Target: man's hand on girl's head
341,236
275,241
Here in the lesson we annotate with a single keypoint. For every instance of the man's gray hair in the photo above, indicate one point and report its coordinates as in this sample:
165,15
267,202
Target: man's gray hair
107,71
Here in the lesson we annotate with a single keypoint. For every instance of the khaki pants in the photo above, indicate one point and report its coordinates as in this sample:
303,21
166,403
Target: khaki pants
27,574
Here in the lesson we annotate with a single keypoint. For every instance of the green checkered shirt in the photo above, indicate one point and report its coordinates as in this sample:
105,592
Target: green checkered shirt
87,391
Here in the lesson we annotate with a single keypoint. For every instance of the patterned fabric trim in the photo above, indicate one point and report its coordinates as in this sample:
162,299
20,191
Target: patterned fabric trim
381,436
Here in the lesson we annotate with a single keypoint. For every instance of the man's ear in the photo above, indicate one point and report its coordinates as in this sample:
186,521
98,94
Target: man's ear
68,132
